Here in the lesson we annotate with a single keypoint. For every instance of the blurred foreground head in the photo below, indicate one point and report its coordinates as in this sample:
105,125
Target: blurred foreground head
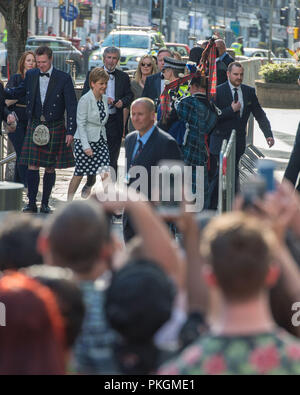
238,249
32,342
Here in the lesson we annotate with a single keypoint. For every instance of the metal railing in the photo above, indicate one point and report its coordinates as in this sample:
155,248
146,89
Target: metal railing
4,157
227,170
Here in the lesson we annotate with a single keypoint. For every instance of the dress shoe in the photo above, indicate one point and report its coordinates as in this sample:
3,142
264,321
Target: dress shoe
45,209
30,208
86,191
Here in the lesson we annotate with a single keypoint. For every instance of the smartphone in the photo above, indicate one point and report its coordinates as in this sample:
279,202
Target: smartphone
265,168
252,190
167,183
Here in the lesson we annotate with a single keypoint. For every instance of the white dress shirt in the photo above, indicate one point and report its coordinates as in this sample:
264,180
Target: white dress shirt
110,91
240,95
44,82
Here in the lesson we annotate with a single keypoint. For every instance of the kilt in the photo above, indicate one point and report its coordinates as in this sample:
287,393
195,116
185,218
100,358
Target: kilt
55,154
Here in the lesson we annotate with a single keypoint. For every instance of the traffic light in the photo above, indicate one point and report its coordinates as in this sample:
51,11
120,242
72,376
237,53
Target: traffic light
110,15
155,10
297,17
284,16
296,33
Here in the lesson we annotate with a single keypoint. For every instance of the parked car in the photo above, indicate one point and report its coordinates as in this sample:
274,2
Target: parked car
257,52
134,42
62,50
182,49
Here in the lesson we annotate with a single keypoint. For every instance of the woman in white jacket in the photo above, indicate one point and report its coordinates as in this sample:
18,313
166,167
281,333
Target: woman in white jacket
90,141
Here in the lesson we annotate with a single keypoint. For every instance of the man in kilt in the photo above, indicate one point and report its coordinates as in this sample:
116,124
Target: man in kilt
49,92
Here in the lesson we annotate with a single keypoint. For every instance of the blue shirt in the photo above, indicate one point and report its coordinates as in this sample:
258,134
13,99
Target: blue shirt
143,139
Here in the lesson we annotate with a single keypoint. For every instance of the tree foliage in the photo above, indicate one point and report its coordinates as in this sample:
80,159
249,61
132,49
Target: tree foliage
15,13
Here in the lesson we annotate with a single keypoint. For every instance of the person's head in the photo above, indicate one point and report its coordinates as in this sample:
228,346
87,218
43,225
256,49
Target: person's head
138,302
18,240
78,237
235,74
240,40
221,47
44,57
146,66
198,84
50,29
172,68
238,251
26,62
32,342
155,27
111,57
203,44
142,112
177,55
98,81
162,53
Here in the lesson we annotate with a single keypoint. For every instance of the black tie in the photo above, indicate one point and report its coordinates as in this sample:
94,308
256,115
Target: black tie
139,150
44,75
236,95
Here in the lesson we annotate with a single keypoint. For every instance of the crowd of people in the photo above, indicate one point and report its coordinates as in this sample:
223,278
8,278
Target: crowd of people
217,295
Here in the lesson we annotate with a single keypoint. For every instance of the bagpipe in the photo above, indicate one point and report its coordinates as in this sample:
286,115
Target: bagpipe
206,69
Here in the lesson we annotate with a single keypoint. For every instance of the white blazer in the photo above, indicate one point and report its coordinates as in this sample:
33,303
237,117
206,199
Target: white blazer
89,127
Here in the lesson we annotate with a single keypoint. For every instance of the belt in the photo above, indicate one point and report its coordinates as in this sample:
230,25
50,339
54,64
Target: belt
21,105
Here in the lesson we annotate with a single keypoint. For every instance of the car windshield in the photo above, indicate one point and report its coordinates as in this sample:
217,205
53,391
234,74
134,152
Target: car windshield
126,41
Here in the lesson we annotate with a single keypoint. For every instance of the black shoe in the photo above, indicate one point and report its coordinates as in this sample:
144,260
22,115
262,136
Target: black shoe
86,191
30,208
45,209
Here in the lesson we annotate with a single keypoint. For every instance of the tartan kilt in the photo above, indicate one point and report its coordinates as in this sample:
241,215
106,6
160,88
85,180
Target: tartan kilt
55,154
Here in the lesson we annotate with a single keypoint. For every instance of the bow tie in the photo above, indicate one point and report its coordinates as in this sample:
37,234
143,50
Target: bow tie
44,75
111,72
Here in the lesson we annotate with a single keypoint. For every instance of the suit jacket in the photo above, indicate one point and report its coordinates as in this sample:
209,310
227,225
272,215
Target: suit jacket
122,91
3,109
60,96
293,167
89,125
222,66
152,88
230,120
159,146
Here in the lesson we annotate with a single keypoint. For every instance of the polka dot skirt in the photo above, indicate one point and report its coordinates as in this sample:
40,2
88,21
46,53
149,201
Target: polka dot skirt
99,162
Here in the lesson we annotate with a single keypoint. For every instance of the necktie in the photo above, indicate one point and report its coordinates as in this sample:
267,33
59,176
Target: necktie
139,150
236,95
44,75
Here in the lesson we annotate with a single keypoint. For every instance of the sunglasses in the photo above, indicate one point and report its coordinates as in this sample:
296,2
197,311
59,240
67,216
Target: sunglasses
146,64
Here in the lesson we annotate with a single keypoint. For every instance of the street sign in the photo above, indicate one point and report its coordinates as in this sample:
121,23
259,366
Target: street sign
290,30
235,27
47,3
86,11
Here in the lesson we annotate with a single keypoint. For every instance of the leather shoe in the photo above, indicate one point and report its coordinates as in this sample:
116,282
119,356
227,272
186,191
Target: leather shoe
30,208
86,191
45,209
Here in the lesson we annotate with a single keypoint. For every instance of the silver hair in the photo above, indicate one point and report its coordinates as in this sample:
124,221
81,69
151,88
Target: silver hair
111,50
146,101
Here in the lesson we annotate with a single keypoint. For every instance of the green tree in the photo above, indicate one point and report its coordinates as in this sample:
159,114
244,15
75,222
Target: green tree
15,13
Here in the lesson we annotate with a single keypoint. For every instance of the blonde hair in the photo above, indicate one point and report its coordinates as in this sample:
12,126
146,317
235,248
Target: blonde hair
138,74
97,74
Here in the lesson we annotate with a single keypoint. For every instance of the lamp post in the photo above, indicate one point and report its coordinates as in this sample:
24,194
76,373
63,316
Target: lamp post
270,29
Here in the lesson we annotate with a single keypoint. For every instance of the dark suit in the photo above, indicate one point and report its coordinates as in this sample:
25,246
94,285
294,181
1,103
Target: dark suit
293,168
222,66
152,88
230,120
159,146
114,126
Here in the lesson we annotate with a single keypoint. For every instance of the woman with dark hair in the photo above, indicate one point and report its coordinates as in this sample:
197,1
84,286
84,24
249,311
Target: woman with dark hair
32,342
26,62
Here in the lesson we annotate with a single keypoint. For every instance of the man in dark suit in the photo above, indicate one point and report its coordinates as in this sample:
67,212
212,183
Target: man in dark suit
223,61
293,168
146,146
49,92
154,84
236,102
119,96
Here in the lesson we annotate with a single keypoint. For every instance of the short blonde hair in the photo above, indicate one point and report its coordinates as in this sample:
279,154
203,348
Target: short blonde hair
97,74
138,74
